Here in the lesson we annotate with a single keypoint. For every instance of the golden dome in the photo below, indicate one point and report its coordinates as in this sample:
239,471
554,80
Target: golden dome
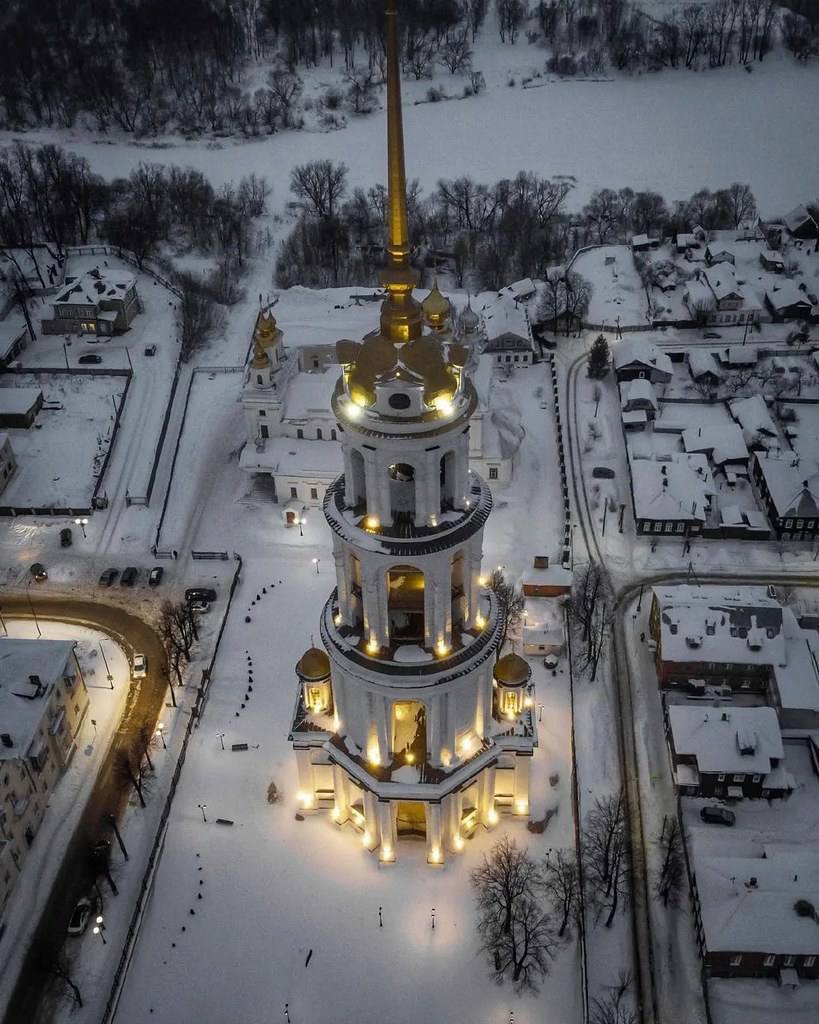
313,665
512,670
435,306
261,360
265,329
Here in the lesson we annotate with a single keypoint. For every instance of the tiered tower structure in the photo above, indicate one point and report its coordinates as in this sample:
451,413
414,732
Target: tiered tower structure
406,723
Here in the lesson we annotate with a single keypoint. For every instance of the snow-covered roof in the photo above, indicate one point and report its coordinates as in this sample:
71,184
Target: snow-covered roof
297,458
18,401
727,740
638,390
786,293
727,625
20,712
724,442
12,328
308,395
687,240
722,281
797,681
792,482
747,904
522,289
95,286
741,355
753,416
507,342
701,362
678,488
719,248
646,353
772,256
796,217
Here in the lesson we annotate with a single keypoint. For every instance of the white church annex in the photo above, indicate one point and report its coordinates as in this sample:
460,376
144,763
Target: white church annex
406,723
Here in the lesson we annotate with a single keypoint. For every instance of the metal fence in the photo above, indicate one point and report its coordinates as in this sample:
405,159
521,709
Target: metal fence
156,848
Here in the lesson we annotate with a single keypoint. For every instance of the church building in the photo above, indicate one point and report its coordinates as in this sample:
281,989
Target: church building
407,724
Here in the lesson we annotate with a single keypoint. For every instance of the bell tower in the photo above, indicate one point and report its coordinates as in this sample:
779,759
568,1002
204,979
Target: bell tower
409,732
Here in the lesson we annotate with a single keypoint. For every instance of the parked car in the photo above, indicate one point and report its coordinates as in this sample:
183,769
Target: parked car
150,350
139,666
711,334
108,577
155,577
199,606
717,815
80,916
90,357
39,572
129,576
66,537
603,473
200,594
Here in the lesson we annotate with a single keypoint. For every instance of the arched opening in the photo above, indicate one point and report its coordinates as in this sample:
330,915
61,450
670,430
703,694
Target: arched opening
448,482
357,494
356,601
409,731
405,604
402,493
411,820
458,591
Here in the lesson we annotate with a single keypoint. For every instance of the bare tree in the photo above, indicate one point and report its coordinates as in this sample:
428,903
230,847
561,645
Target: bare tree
132,769
739,202
525,949
361,90
319,185
591,610
198,315
511,600
613,1008
561,886
456,53
286,87
60,968
507,875
669,882
605,855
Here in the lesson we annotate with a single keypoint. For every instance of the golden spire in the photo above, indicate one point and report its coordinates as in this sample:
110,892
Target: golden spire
401,315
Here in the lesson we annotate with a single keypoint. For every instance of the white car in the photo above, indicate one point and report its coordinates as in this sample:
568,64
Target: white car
139,667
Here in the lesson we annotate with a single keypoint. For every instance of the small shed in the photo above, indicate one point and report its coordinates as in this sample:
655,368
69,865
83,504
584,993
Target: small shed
19,406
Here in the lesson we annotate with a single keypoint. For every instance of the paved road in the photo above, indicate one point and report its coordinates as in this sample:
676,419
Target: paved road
143,706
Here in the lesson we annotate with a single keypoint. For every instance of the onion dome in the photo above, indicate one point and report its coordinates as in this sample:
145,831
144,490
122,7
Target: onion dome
435,307
512,670
469,320
313,665
265,329
261,360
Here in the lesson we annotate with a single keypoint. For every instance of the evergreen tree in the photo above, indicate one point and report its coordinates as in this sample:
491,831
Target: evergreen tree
599,358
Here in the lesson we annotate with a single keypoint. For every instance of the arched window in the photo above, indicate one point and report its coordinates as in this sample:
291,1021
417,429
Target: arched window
319,435
405,604
448,482
402,493
357,491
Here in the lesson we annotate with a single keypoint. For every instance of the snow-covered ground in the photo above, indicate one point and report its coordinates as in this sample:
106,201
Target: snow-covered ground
618,297
60,458
674,132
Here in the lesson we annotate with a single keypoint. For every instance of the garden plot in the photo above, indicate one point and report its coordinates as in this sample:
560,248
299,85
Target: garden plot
60,457
618,296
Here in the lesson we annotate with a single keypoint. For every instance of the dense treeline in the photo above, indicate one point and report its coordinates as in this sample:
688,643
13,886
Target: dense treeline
50,196
146,66
484,235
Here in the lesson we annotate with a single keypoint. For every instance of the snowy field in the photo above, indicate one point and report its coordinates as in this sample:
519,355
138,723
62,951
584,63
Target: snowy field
60,456
618,296
274,888
674,132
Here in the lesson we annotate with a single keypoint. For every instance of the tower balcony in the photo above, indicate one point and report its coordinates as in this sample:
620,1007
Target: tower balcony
407,660
403,536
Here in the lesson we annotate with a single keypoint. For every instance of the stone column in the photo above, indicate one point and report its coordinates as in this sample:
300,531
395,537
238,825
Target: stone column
383,727
433,714
371,829
342,582
304,764
435,845
460,488
487,814
521,805
454,806
341,786
387,831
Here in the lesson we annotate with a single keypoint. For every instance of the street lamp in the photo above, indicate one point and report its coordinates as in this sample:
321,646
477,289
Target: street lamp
107,668
161,734
202,809
221,736
302,521
316,564
99,929
82,523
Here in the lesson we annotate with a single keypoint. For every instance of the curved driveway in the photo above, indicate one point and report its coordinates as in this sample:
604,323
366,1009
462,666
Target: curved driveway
145,700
